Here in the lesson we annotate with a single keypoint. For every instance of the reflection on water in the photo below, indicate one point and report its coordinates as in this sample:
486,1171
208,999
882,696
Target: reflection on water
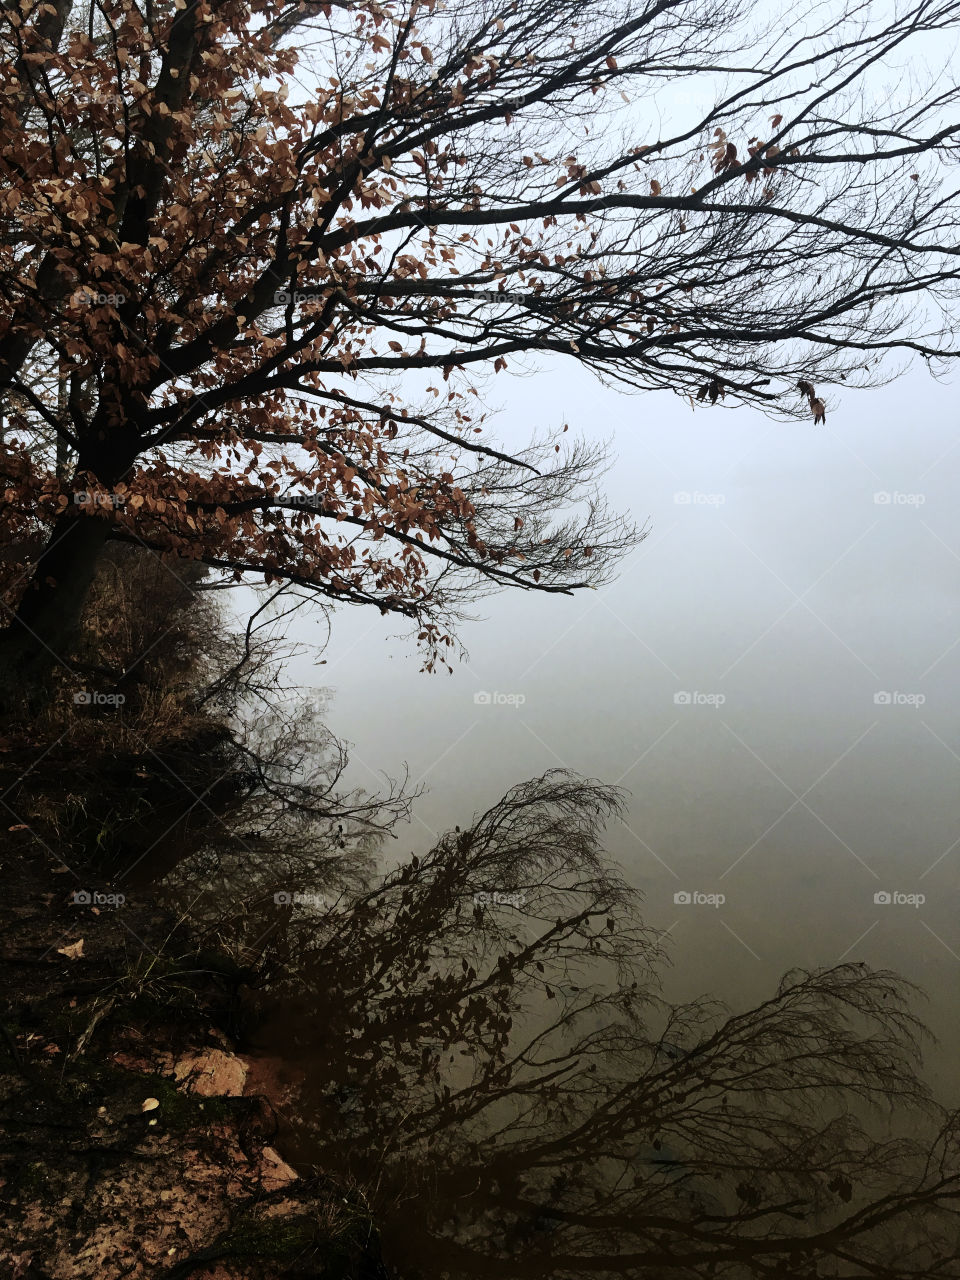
488,1056
819,613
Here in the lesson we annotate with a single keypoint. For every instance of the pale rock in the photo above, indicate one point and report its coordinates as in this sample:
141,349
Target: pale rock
213,1074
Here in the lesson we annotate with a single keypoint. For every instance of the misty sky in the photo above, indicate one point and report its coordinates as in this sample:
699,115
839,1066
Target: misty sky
773,579
783,586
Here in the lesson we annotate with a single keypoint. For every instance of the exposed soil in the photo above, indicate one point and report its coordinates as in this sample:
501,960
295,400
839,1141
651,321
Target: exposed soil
135,1140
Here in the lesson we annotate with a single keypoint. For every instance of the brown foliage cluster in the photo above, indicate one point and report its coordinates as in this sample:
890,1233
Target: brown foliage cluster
255,258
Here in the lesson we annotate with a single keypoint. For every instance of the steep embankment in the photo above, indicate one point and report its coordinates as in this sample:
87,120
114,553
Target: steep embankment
136,1141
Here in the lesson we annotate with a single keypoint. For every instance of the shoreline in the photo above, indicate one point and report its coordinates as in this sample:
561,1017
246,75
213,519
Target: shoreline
139,1139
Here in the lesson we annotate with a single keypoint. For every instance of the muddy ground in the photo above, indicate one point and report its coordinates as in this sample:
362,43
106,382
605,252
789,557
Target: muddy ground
137,1139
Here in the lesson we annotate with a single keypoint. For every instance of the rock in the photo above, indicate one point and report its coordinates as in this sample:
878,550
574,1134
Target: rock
213,1074
274,1170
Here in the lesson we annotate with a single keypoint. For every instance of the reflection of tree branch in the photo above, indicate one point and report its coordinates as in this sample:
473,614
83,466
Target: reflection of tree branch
517,1069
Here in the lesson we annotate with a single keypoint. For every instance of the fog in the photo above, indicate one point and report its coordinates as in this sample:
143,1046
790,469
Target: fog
772,675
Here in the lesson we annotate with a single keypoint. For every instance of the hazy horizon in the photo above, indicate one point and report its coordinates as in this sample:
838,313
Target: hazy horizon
773,576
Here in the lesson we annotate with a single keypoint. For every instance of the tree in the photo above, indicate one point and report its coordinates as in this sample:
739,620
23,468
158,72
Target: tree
247,292
487,1045
188,756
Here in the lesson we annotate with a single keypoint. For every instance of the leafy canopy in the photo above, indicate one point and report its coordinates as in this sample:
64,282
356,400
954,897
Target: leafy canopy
257,260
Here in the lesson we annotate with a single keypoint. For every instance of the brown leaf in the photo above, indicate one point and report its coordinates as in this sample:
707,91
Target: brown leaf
73,952
726,159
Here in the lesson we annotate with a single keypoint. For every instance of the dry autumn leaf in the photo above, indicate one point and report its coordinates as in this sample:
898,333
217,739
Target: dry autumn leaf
73,952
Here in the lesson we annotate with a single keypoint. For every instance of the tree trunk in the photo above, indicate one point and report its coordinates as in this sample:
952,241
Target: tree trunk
40,634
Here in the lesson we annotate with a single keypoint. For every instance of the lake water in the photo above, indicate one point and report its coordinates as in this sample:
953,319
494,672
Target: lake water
772,676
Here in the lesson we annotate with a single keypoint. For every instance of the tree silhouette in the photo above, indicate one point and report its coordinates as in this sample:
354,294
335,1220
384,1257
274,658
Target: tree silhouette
198,760
255,259
490,1057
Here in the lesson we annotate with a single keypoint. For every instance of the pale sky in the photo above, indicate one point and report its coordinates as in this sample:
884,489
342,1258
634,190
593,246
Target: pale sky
784,586
800,588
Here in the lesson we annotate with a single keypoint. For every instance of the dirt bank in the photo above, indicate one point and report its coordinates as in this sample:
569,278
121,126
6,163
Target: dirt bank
136,1140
